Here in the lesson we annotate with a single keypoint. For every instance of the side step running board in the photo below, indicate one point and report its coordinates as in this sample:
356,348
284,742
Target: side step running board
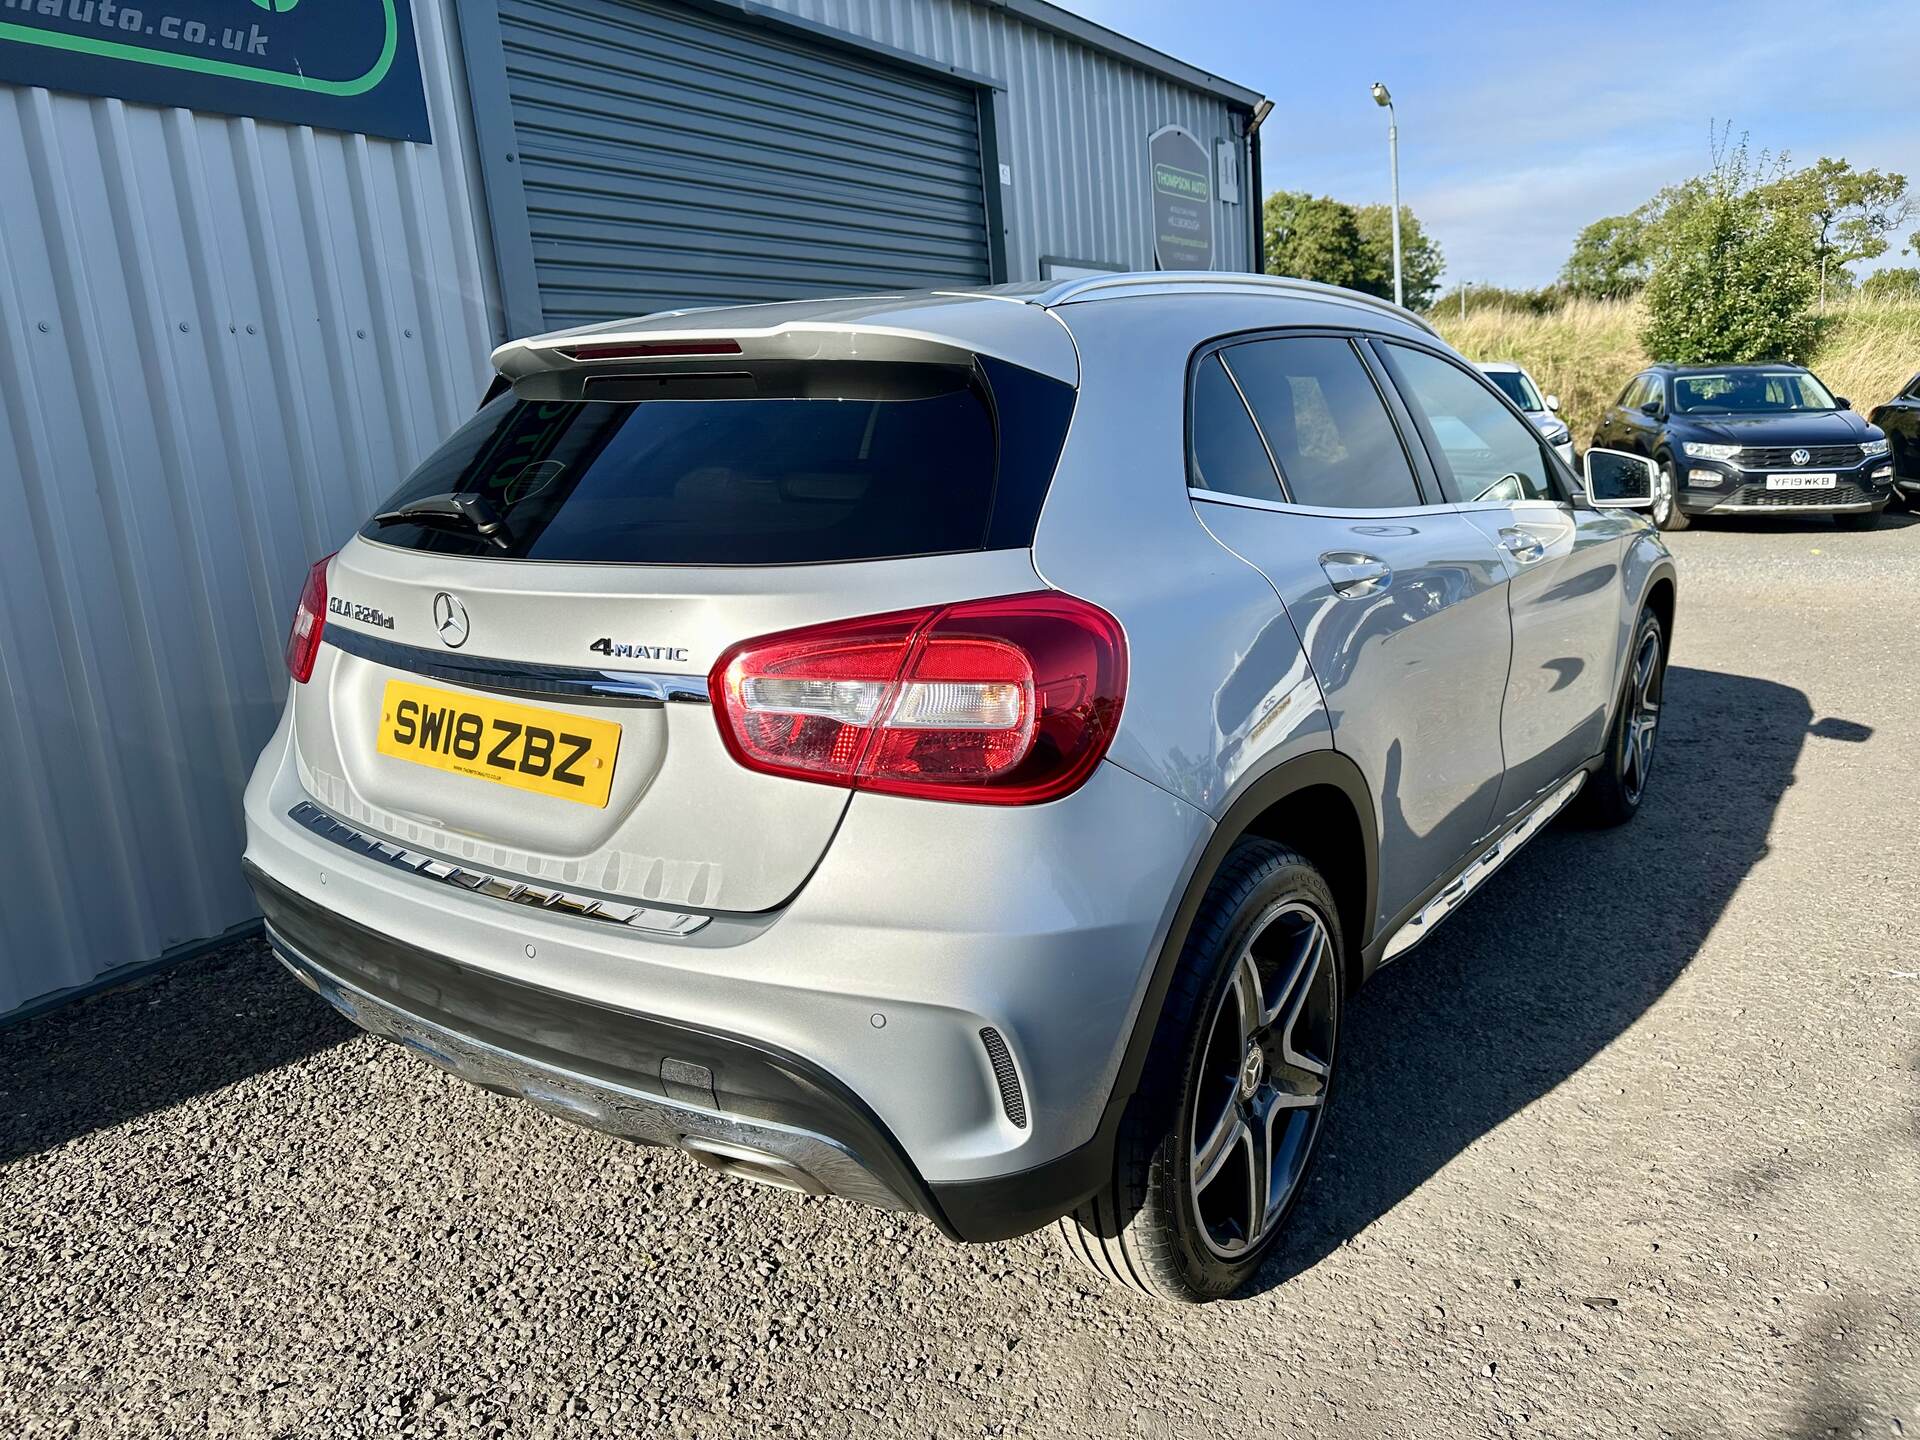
1477,874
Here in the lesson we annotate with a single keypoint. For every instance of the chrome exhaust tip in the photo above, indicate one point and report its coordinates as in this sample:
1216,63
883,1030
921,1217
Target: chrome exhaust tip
746,1163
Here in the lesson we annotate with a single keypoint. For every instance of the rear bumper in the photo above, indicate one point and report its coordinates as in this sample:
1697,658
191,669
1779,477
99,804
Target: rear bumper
630,1075
841,1033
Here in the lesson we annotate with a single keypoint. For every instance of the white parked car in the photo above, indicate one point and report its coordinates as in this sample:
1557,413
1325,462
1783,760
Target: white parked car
1518,387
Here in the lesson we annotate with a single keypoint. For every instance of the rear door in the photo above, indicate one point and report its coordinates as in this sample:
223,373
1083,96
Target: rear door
1299,466
526,691
1563,561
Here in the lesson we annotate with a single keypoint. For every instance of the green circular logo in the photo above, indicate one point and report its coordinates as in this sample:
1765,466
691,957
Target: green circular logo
278,6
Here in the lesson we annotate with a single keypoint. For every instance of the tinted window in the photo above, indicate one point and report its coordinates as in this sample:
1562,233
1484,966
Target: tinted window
792,464
1635,395
1515,386
1912,392
1325,423
1227,453
1486,451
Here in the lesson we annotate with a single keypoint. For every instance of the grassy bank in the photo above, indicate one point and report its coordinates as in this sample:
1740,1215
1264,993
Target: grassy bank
1588,350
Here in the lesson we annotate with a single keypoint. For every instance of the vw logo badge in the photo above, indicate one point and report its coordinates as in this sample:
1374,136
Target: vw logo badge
450,619
1801,457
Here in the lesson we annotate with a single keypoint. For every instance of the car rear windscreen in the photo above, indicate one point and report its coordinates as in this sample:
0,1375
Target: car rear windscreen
782,463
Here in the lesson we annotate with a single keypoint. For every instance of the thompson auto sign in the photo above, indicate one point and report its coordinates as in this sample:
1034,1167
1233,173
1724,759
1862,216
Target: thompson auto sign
340,64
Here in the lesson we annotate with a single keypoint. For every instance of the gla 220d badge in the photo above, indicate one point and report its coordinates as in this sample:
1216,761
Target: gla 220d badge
352,610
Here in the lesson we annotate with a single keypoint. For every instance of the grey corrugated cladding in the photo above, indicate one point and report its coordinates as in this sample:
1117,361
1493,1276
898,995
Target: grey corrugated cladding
671,156
220,341
1077,118
1067,108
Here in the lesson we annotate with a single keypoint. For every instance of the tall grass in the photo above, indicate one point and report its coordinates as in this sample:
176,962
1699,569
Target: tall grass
1588,349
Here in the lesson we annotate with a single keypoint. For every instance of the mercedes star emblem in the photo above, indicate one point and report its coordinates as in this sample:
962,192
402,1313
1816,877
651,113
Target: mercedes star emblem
450,619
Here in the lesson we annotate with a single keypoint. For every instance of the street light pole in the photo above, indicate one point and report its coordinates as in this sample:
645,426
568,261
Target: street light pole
1382,97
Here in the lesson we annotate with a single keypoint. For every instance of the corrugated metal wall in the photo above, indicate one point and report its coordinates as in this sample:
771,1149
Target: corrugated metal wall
1076,131
220,341
772,165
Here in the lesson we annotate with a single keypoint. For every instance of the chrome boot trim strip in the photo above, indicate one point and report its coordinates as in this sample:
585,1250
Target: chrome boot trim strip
518,677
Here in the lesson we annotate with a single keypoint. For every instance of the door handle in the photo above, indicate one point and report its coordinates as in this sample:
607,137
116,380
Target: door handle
1523,547
1354,575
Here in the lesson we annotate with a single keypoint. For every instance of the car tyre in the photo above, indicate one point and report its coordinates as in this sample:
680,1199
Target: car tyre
1613,792
1666,512
1185,1217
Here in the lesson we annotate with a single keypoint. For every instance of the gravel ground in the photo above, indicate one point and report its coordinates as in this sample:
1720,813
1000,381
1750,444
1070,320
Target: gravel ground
1632,1146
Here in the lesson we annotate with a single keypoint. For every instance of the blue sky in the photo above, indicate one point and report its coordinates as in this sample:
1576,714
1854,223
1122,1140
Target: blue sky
1520,123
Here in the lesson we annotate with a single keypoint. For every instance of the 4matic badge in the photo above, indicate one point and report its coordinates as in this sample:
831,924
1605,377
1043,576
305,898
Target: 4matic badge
638,652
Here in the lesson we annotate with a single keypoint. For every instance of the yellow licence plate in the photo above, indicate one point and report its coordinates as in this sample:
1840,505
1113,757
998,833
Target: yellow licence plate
529,748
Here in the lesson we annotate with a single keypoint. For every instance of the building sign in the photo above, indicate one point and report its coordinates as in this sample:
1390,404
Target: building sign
1181,174
339,64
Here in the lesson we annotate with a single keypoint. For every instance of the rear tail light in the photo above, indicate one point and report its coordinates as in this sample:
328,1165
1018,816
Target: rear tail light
1008,701
309,619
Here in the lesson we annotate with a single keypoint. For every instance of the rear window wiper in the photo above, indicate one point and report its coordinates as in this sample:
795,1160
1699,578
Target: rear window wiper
457,510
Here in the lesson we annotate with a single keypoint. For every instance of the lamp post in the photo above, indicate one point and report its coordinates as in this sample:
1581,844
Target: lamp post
1384,99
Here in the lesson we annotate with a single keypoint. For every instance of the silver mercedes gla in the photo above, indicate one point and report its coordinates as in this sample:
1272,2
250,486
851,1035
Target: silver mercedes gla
957,751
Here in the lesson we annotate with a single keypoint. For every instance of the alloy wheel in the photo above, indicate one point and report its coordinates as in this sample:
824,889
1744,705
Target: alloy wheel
1643,717
1662,497
1261,1090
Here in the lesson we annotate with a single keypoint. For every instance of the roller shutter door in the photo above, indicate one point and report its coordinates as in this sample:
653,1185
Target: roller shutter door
671,157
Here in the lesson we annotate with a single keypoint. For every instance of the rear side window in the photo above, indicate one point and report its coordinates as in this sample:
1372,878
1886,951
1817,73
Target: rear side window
1325,423
780,464
1485,451
1227,454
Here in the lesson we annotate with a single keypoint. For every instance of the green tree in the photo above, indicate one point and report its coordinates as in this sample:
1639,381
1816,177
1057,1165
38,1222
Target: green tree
1609,259
1850,214
1896,282
1421,262
1733,272
1312,238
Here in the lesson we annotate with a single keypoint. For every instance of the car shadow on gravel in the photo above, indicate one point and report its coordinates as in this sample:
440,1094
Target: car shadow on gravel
1572,942
113,1057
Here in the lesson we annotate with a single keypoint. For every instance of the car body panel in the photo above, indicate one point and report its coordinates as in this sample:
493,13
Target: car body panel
685,825
1412,674
1565,608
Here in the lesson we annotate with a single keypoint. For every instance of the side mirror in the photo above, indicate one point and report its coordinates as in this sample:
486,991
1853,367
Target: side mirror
1553,402
1843,402
1619,481
1652,407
